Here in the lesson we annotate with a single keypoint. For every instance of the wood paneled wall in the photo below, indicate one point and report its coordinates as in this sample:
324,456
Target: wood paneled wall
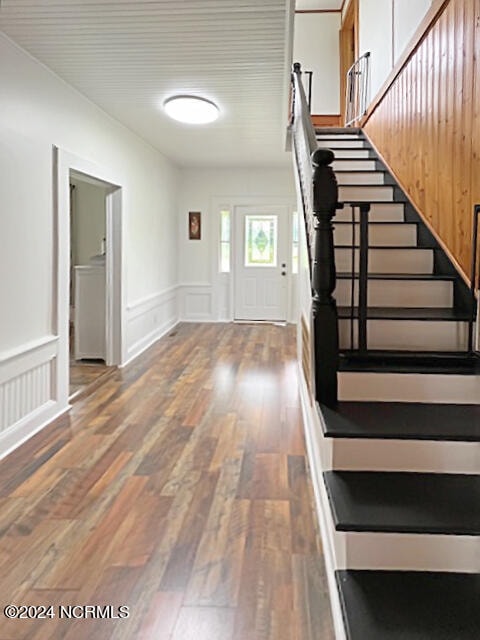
427,126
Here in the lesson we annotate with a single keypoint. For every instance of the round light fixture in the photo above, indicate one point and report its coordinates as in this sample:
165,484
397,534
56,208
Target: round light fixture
191,109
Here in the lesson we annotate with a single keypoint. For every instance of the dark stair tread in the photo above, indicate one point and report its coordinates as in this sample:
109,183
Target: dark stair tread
410,605
403,421
424,503
339,130
408,313
443,362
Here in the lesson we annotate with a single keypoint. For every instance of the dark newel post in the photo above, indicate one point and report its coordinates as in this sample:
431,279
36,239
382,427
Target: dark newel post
325,317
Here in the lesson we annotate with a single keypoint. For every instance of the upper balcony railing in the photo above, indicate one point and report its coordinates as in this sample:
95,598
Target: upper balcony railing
358,85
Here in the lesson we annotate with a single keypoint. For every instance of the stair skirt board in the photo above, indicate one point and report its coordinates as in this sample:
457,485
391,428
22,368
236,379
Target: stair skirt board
352,153
337,143
396,261
379,212
418,456
409,387
365,194
408,335
357,177
370,550
399,293
354,165
380,234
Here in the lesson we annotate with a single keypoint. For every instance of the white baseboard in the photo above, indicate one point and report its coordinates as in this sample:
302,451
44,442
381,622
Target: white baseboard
23,430
312,428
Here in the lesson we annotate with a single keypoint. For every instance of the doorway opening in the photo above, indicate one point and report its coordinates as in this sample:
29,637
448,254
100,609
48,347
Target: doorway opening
88,282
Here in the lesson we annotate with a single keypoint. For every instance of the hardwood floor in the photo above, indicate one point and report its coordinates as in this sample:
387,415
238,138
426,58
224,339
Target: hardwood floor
179,489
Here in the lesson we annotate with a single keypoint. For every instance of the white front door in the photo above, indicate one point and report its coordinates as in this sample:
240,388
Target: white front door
261,259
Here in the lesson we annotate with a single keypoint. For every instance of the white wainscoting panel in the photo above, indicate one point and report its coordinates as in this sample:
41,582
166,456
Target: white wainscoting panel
196,302
28,397
149,319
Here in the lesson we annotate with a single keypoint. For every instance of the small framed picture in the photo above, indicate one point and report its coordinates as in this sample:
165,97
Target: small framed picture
194,225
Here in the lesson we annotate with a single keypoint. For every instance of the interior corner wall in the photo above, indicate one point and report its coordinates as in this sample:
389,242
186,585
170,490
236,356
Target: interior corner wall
375,36
316,46
39,112
385,29
202,289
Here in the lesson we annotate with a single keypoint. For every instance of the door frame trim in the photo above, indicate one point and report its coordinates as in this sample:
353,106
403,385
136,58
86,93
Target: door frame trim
65,162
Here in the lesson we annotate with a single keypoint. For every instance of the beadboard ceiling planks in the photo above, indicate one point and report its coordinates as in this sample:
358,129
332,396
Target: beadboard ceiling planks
128,56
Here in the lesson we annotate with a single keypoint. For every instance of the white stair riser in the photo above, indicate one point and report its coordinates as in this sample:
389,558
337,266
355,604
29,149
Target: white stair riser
389,235
352,177
407,551
338,136
353,165
340,144
415,456
408,387
380,212
419,261
365,194
409,335
399,293
351,153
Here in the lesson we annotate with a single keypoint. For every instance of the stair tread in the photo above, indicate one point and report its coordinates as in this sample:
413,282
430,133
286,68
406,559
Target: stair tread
408,313
400,502
403,421
392,361
410,605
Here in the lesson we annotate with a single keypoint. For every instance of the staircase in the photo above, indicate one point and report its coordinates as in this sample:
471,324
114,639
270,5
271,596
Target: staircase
396,466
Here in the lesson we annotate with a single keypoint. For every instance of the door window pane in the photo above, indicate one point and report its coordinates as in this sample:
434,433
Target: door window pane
260,241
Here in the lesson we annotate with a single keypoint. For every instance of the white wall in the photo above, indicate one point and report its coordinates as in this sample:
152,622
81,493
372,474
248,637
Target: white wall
316,47
386,28
407,15
203,291
375,35
38,111
89,221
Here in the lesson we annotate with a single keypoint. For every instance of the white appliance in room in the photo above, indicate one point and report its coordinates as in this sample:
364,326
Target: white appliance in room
90,316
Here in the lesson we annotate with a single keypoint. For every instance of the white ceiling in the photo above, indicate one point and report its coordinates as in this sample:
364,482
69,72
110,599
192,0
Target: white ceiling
127,56
326,5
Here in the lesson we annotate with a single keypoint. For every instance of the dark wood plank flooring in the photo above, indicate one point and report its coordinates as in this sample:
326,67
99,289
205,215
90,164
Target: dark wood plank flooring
178,488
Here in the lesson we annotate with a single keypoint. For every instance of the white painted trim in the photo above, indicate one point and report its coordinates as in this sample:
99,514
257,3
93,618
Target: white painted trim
149,319
28,398
196,302
409,387
312,427
420,456
23,430
64,162
411,552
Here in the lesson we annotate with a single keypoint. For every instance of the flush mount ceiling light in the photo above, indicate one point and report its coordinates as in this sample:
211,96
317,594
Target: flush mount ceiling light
191,109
